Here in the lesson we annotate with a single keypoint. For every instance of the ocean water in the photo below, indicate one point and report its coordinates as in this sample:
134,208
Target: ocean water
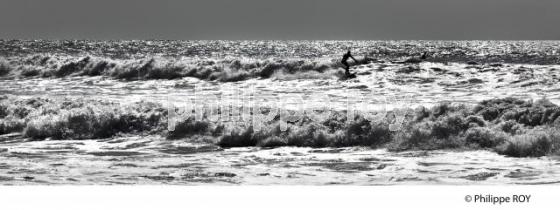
67,119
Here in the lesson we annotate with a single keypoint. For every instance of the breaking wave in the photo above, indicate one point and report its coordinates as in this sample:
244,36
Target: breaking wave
508,126
224,70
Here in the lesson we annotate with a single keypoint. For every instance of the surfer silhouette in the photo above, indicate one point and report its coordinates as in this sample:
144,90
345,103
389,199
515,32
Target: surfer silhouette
424,56
344,61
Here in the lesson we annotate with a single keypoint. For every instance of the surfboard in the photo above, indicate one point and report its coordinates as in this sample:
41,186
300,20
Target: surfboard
350,76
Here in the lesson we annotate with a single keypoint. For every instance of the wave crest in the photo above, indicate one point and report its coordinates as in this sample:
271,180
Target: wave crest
508,126
225,70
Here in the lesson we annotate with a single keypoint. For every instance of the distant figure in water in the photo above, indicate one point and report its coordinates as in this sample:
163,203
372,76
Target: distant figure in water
424,56
345,61
417,60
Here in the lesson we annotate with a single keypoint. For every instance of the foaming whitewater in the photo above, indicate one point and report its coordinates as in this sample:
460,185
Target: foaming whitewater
113,112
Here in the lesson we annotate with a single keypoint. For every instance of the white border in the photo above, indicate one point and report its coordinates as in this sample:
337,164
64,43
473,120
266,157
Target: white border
269,197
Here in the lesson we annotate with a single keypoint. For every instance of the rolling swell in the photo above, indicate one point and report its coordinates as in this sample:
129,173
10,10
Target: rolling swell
224,70
508,126
527,52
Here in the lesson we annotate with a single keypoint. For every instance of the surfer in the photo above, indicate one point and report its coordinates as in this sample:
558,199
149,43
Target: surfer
424,56
345,62
416,59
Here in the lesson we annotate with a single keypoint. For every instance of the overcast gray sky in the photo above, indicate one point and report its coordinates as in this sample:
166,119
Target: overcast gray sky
280,19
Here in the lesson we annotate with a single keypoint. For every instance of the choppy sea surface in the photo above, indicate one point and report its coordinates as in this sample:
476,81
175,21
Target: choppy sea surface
389,75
